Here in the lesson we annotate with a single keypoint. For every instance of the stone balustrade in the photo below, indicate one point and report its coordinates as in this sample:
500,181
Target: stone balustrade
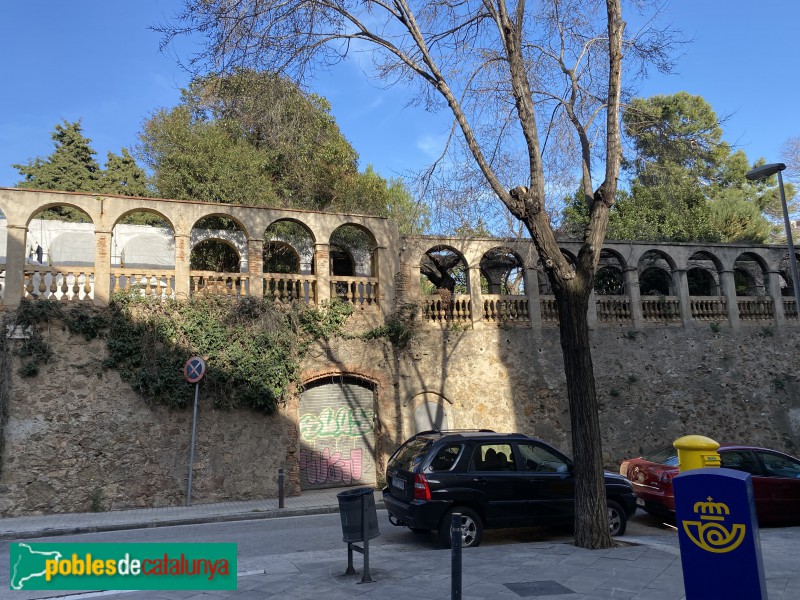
494,283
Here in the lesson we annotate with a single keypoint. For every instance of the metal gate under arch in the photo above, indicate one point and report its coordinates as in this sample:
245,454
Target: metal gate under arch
337,439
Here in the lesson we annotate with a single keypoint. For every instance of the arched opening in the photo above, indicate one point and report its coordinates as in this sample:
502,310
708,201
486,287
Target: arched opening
660,303
444,286
218,257
701,282
143,255
353,268
750,278
288,263
60,255
503,287
611,301
337,437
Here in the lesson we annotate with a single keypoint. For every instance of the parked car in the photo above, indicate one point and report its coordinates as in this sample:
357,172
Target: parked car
776,480
493,479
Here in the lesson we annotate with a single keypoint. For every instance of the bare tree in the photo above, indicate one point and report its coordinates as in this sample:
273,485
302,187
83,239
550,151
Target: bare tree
790,152
512,74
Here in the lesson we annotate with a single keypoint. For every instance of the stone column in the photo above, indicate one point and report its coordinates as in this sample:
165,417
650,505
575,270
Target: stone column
15,264
385,295
531,278
728,285
632,287
255,267
183,252
475,297
774,291
681,282
322,261
102,267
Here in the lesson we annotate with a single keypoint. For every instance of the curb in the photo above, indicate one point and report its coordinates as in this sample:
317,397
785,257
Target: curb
173,522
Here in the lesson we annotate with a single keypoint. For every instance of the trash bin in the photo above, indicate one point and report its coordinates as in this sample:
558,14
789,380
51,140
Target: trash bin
355,506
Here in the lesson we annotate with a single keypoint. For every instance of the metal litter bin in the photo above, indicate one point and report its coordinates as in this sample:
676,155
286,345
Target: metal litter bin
355,507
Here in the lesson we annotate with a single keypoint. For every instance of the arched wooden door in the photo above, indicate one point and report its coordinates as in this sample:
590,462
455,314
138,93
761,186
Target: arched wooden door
337,439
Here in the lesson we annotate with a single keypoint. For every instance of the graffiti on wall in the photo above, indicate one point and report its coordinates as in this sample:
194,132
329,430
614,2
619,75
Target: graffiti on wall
344,422
331,467
337,441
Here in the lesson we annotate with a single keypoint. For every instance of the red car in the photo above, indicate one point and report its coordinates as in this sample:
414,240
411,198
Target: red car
776,480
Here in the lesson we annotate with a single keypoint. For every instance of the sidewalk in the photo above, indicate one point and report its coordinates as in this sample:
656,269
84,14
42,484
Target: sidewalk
644,567
308,503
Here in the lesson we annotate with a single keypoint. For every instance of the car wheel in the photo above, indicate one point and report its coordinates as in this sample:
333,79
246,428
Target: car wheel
471,527
617,519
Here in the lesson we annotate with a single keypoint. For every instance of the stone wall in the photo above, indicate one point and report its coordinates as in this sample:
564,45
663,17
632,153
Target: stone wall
78,438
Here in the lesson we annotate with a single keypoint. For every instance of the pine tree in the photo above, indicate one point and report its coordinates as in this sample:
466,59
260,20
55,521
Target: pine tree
70,168
123,176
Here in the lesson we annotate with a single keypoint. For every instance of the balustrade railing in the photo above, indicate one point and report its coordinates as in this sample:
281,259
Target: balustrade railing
218,284
661,309
790,309
709,308
359,291
58,283
613,309
456,310
755,308
290,288
157,284
549,310
503,309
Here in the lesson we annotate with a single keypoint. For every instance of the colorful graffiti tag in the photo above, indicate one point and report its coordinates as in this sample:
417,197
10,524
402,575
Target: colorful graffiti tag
344,422
326,467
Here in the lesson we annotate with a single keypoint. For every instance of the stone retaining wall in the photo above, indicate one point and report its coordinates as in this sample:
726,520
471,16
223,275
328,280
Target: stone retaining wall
78,438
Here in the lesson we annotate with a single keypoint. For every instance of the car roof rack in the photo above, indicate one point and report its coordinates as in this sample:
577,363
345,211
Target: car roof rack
447,431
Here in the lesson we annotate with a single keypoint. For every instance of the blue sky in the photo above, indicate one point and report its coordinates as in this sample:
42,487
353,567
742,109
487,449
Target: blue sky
97,61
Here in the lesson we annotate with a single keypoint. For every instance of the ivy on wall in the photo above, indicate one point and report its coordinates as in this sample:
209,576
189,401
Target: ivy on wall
253,348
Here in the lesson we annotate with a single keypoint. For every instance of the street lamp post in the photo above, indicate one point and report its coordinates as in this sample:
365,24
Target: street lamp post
763,172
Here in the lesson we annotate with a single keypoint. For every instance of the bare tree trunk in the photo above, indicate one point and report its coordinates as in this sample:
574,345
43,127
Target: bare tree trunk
591,513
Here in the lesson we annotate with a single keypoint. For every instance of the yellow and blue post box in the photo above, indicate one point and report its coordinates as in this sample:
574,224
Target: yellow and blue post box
717,526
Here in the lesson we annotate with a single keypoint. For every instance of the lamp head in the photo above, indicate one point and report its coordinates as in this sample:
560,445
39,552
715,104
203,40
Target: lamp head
765,171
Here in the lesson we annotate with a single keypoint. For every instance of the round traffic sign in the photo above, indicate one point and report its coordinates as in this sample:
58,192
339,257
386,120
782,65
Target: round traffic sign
194,369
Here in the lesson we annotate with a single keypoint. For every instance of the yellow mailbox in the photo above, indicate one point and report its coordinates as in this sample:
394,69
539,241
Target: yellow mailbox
696,452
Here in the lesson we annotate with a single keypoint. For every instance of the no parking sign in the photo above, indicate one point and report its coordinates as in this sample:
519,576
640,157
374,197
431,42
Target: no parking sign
194,369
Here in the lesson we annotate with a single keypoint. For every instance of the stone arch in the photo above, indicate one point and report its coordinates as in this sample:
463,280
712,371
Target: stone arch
215,239
609,279
702,274
785,271
336,416
286,242
429,411
502,272
444,268
62,235
352,248
749,272
143,238
655,273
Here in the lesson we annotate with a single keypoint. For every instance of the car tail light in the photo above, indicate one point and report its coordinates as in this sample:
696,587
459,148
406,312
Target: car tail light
421,489
666,476
623,468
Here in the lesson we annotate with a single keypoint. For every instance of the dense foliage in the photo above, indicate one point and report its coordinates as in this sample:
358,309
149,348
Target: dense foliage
687,183
72,167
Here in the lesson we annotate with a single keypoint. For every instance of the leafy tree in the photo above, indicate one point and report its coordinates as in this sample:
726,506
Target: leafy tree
258,139
688,184
505,74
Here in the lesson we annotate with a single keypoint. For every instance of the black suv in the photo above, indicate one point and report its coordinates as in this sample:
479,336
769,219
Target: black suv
493,479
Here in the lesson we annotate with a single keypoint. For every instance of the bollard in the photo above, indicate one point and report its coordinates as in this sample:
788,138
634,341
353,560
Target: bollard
280,488
455,544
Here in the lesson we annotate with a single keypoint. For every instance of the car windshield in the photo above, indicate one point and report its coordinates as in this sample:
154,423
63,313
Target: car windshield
410,454
663,456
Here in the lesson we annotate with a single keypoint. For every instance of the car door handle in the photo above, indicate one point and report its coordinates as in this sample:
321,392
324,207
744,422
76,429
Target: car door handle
480,480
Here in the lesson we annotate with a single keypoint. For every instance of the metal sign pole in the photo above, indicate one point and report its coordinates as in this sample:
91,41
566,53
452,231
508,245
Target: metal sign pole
191,447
